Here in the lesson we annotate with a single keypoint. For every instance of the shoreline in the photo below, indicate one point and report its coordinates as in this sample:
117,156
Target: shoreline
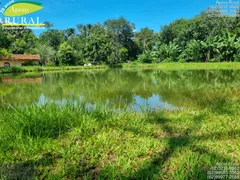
164,66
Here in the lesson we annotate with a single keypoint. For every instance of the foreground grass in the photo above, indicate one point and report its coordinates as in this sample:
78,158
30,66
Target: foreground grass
71,142
224,65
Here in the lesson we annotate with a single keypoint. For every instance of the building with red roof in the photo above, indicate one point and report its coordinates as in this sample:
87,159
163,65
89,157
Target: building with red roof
19,60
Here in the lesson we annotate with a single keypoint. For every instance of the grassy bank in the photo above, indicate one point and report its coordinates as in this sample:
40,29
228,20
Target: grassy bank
189,66
224,65
70,142
47,68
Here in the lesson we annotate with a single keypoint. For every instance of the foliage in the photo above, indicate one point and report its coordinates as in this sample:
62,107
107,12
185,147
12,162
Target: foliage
123,54
66,54
46,53
145,39
168,51
30,63
145,57
53,38
194,52
15,69
207,37
3,52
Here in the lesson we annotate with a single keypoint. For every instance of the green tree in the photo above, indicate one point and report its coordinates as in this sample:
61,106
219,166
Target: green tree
46,53
121,32
53,38
3,53
5,40
66,54
145,39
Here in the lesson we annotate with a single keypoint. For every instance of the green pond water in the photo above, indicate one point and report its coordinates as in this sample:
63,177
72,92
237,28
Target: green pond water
118,88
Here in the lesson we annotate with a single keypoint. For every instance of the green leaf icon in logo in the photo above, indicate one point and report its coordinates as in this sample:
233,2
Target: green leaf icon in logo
22,8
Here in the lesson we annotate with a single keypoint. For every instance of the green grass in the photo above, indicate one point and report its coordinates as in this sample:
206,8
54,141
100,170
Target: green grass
71,142
47,68
224,65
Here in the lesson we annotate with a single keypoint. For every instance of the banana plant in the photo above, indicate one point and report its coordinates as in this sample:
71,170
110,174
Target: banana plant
155,56
170,50
210,47
237,46
145,57
228,46
194,52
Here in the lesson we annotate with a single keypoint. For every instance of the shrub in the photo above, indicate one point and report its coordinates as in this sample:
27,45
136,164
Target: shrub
237,58
168,60
145,58
30,63
16,69
134,63
181,60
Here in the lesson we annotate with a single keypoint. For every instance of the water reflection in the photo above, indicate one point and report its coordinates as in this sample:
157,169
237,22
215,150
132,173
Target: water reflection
117,88
21,80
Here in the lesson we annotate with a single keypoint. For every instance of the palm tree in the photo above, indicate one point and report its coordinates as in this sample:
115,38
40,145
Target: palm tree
70,32
48,24
84,30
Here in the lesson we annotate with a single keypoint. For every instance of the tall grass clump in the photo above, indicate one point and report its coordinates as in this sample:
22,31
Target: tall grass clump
48,121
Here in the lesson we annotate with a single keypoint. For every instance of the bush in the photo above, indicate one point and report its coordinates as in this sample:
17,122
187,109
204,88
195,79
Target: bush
123,54
145,58
30,63
237,57
168,60
16,69
181,60
134,63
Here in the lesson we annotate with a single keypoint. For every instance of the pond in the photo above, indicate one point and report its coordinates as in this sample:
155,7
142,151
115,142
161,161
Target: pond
129,89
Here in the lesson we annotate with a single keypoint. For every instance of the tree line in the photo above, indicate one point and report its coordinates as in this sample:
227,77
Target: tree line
208,37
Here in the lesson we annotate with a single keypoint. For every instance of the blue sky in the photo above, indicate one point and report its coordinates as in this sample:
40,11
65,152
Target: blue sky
151,13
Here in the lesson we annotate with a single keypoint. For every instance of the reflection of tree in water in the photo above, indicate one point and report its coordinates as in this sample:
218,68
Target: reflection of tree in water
189,87
119,87
16,89
111,86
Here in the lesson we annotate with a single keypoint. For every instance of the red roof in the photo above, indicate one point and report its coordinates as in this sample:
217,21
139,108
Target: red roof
22,57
